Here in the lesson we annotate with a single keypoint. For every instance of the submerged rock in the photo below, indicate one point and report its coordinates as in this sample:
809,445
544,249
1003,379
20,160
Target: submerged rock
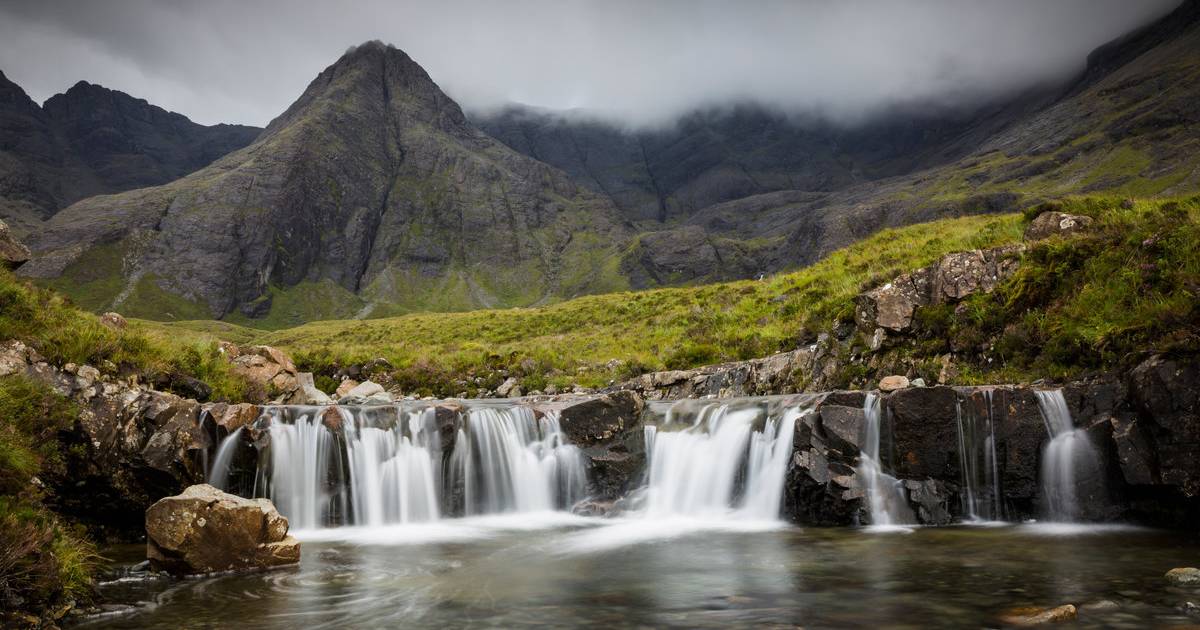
205,530
1184,576
1033,616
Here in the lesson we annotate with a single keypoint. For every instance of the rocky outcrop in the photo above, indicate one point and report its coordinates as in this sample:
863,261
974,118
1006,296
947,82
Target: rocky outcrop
130,445
891,307
204,530
13,252
1054,223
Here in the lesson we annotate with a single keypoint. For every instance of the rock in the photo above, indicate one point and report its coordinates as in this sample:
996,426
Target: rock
1186,576
918,382
204,530
892,305
365,389
230,418
1037,616
893,383
114,321
506,388
608,429
13,253
1099,606
267,369
345,387
307,393
1056,223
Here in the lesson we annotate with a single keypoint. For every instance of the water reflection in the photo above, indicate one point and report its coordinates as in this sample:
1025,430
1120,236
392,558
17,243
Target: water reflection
596,573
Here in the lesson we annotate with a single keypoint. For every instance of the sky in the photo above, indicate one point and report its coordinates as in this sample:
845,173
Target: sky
634,62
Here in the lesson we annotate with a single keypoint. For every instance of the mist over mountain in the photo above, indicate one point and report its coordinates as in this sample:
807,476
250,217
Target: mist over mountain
631,63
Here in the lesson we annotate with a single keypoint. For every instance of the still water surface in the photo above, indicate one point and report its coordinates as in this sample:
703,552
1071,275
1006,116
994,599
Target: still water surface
562,571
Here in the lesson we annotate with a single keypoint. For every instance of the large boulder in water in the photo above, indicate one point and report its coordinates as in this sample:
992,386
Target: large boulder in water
205,530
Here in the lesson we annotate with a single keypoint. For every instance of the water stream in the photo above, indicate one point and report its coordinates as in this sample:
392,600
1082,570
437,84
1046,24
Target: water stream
885,493
981,496
1067,460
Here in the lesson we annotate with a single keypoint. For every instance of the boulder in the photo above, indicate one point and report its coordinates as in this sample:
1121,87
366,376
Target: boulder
114,321
1185,576
1056,223
345,387
204,530
307,393
267,369
893,383
230,418
13,253
506,388
365,389
1034,616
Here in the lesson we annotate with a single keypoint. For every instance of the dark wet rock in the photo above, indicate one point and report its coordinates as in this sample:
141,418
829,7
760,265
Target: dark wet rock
608,428
924,427
1056,223
1184,576
932,501
183,385
204,530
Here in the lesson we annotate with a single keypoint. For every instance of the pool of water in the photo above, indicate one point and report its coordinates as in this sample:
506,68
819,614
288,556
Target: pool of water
562,571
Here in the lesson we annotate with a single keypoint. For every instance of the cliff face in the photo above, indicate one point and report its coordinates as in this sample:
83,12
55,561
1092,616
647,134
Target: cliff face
372,185
91,140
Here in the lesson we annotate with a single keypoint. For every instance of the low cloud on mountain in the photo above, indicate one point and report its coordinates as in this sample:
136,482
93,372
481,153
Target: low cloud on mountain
638,63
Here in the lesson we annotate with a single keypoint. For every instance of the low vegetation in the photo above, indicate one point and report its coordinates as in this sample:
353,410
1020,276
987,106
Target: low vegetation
46,565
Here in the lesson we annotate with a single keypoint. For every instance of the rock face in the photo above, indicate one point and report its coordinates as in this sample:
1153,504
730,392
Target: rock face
131,445
13,253
333,194
1055,223
204,530
91,140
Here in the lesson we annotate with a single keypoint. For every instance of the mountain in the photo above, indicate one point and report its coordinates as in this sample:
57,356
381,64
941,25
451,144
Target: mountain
92,140
736,193
370,194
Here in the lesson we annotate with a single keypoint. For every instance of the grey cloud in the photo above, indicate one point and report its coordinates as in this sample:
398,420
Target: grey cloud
636,62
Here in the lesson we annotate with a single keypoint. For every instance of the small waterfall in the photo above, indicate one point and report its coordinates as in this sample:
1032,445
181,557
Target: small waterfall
885,493
508,460
300,464
1067,458
728,461
218,475
393,471
982,500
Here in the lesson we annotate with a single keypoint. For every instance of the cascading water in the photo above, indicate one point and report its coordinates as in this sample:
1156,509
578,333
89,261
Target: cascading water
218,475
885,493
982,500
727,461
508,460
383,465
1067,458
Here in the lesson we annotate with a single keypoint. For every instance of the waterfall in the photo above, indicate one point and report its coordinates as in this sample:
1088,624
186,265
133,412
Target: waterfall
218,475
383,465
982,500
508,460
885,494
393,471
728,461
1068,457
300,458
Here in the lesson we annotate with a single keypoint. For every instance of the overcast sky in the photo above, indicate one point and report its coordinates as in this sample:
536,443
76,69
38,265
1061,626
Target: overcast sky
640,61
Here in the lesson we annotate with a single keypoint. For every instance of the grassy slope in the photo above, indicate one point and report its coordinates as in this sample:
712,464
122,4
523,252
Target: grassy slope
1090,302
648,330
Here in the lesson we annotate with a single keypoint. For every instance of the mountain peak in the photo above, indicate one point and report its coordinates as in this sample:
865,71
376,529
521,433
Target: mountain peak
373,79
